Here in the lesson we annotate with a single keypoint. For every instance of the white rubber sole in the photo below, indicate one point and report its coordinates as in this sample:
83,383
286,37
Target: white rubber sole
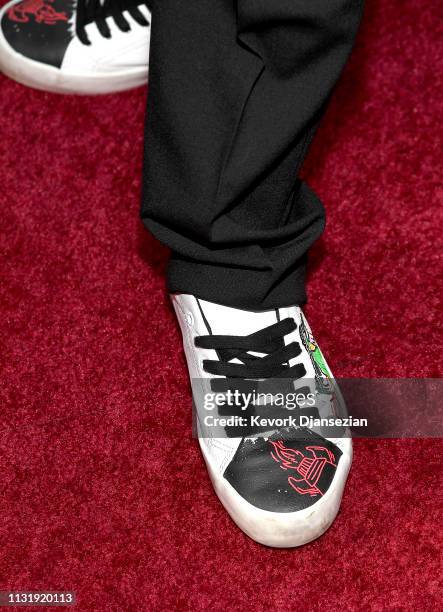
48,78
284,529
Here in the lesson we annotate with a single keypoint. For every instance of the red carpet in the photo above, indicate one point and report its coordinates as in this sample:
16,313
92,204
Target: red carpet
93,498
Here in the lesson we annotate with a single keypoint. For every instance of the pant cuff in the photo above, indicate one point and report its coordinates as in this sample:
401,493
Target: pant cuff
237,287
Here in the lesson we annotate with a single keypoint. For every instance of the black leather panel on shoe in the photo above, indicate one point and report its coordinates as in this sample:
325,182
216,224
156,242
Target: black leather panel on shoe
40,29
287,472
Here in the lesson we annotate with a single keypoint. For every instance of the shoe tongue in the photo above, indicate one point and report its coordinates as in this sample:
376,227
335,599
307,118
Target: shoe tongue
224,320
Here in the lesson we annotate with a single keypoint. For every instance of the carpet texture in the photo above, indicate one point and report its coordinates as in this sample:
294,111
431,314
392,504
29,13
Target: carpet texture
94,497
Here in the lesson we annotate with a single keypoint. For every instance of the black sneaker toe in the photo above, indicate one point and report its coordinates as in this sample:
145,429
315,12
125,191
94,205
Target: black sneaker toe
286,472
39,29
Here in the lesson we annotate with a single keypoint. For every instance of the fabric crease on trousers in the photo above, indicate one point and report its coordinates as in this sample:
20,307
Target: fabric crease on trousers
237,89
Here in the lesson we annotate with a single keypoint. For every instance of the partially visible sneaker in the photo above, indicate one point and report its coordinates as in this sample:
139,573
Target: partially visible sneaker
282,486
76,46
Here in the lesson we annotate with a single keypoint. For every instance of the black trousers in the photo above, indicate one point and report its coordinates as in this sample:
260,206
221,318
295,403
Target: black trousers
236,90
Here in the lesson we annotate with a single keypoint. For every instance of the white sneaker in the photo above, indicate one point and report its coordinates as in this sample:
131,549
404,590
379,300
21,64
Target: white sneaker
76,46
282,486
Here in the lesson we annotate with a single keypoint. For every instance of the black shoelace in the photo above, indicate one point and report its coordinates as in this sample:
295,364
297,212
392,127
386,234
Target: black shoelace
269,341
94,11
267,374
